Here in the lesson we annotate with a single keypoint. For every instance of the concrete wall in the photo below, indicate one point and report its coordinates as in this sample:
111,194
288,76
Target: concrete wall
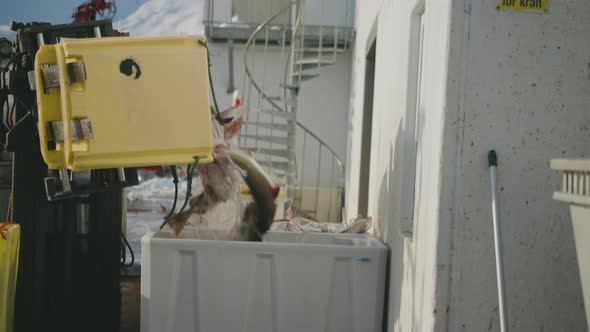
526,93
518,83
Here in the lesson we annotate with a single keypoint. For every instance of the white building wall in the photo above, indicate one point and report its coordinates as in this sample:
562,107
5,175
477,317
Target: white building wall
514,82
413,267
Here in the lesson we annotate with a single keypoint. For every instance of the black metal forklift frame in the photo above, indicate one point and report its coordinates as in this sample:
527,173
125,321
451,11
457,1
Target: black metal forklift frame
67,280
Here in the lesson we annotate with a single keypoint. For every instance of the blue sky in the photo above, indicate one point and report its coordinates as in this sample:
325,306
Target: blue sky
53,11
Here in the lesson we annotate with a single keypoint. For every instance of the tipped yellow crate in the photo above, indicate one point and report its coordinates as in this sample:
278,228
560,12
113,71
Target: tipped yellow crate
123,102
9,248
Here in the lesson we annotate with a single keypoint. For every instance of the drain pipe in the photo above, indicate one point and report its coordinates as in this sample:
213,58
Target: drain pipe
230,58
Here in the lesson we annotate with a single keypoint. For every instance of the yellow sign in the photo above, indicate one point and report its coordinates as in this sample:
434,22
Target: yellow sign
523,5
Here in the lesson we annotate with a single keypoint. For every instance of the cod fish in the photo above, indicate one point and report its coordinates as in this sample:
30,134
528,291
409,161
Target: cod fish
221,183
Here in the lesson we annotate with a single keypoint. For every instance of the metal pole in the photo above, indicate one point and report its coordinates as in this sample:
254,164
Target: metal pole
334,51
321,43
40,39
331,190
493,163
264,57
317,183
230,57
346,24
302,171
65,180
256,132
121,174
211,18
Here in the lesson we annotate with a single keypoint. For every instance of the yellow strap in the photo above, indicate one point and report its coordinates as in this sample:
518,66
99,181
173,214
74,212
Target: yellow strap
5,227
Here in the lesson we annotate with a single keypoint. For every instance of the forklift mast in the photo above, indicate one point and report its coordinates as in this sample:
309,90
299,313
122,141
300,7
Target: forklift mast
69,267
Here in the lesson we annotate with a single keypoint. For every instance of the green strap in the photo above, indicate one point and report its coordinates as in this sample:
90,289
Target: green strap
187,196
216,111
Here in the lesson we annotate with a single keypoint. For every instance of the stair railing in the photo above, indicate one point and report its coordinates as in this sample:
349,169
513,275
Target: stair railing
327,171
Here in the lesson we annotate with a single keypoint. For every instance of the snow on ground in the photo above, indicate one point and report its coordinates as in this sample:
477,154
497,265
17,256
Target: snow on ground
165,17
149,194
145,202
145,214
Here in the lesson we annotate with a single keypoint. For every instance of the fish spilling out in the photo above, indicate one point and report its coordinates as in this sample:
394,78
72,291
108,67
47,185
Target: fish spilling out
221,183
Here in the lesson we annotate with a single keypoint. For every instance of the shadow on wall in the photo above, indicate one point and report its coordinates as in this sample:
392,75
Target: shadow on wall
396,202
389,227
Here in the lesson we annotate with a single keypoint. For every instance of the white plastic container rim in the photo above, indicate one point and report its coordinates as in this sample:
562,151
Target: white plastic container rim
575,181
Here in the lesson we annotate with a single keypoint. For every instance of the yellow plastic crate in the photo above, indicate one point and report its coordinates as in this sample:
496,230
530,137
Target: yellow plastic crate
9,248
145,101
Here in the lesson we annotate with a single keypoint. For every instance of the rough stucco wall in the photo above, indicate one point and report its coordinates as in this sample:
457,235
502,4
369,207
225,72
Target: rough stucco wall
413,261
526,95
516,82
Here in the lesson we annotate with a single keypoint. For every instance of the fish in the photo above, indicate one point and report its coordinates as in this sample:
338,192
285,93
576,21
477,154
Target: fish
220,185
259,214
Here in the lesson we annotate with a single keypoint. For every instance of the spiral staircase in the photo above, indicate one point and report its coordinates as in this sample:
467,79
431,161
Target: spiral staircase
308,170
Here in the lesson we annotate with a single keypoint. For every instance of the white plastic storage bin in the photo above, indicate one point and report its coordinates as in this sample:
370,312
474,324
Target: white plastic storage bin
288,283
576,191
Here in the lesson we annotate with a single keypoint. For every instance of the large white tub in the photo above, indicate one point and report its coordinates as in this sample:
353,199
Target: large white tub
291,282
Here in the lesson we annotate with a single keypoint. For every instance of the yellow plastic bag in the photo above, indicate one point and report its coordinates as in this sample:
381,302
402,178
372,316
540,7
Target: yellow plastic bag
9,248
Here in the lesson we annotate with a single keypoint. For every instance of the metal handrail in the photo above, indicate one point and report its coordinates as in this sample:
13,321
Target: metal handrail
250,42
287,92
262,93
292,47
321,142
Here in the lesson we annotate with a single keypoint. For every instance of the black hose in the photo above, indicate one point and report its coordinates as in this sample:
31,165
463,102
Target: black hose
175,180
187,196
123,253
189,184
130,252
